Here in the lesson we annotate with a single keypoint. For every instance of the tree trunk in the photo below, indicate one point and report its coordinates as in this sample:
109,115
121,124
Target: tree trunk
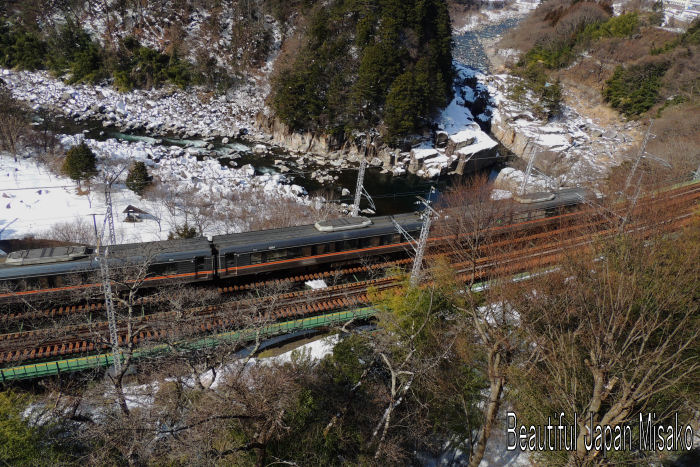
489,420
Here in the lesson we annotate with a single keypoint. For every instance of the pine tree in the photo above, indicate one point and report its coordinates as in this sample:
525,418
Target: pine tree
402,106
138,179
80,163
183,231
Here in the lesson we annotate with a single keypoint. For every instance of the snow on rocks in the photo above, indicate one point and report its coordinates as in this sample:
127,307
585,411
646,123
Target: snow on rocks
35,199
489,15
569,148
510,180
459,141
166,110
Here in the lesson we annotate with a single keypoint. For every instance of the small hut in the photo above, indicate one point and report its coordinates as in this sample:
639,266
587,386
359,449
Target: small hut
134,214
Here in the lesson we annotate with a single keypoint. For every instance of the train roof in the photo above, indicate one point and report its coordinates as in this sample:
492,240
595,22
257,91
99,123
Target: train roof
160,250
563,197
308,234
65,260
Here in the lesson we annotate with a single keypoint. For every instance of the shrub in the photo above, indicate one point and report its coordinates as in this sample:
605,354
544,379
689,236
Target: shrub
21,49
183,231
142,67
80,163
87,66
690,37
551,98
635,90
138,179
618,26
73,50
20,442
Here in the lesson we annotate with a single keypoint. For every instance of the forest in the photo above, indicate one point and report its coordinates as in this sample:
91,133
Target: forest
364,63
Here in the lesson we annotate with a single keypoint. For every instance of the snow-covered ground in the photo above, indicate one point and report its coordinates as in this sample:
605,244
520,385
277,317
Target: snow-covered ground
34,198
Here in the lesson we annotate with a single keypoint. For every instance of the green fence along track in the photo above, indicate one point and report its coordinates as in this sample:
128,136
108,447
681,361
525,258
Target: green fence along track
39,370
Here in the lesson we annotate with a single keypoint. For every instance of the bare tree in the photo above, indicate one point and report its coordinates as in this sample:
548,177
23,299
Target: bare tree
612,333
13,122
79,230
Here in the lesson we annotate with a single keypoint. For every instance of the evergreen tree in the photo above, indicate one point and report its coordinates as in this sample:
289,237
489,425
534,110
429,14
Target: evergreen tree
138,179
402,106
80,163
20,442
353,53
183,231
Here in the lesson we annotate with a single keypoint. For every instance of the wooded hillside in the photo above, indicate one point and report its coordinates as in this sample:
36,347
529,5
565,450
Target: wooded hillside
363,63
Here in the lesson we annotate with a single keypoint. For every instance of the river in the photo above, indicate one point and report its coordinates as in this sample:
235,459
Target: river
391,194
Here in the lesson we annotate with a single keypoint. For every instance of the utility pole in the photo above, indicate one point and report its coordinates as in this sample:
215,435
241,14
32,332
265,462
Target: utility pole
110,217
642,150
358,188
422,242
530,163
104,268
108,200
109,306
94,224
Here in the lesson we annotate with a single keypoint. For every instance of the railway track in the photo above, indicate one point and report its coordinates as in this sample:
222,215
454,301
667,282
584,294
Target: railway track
292,305
81,338
64,311
33,311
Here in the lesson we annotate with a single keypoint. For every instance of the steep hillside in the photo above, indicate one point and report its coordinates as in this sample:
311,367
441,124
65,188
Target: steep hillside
614,69
138,44
361,64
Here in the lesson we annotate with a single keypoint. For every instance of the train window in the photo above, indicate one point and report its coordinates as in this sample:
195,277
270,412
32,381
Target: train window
350,244
331,247
369,242
321,249
306,250
256,258
276,255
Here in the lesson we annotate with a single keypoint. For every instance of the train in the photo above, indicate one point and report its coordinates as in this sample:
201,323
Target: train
37,273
